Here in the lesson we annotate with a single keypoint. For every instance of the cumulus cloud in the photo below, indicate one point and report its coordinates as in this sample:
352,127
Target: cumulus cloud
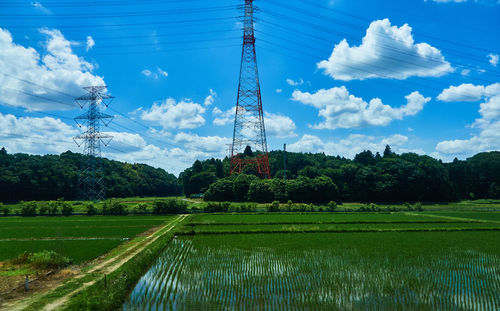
223,117
343,110
385,52
56,72
468,92
493,58
279,125
209,100
179,115
348,147
36,135
276,124
90,43
158,73
209,144
278,91
487,127
294,83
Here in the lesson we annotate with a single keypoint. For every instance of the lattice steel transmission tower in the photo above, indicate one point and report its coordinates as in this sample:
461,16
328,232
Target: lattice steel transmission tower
91,183
249,130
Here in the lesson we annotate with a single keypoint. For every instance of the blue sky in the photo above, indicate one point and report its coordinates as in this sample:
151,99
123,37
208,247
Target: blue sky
336,76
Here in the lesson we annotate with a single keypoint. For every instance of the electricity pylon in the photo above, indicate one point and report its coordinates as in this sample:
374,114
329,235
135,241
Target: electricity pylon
91,184
249,147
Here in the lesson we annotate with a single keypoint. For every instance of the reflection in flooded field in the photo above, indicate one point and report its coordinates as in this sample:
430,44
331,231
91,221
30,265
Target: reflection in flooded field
190,276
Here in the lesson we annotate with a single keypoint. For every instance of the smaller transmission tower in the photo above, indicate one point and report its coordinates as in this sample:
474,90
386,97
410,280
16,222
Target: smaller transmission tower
249,131
91,183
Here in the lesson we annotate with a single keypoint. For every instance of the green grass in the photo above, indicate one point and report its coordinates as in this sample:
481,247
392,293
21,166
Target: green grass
303,217
78,251
77,226
340,227
324,271
103,232
488,216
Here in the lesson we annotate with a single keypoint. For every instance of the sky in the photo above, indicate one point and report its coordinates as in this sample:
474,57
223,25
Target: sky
336,76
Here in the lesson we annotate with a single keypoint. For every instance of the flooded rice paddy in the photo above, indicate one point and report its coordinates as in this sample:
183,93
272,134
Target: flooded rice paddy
192,274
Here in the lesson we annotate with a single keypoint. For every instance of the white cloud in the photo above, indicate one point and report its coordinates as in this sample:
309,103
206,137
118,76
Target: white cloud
90,43
208,144
493,58
348,147
36,135
126,142
278,91
49,135
161,72
279,125
57,71
223,117
343,110
158,73
294,83
40,7
488,125
209,100
386,52
468,92
171,114
465,72
276,124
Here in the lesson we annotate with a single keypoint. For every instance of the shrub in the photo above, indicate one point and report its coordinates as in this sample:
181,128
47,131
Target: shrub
43,260
274,207
216,207
248,207
332,206
418,206
28,208
170,206
43,209
5,211
53,208
140,208
117,208
91,210
66,209
408,206
114,208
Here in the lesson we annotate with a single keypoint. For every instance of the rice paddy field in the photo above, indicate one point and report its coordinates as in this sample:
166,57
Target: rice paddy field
335,261
79,238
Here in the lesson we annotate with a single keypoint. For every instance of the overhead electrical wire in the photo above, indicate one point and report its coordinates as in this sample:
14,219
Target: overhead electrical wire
323,8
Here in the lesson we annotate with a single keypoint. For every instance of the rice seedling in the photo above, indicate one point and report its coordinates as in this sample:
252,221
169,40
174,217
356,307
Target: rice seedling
358,271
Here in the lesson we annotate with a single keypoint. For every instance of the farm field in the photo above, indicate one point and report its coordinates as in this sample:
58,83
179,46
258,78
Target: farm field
488,216
79,238
457,270
304,218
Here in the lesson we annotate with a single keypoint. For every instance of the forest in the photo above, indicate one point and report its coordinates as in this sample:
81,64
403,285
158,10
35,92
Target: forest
49,177
369,177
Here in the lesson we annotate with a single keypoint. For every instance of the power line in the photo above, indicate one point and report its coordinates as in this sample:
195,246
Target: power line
119,14
81,27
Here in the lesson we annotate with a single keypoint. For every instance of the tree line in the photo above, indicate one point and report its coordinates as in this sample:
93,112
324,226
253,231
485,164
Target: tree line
369,177
50,177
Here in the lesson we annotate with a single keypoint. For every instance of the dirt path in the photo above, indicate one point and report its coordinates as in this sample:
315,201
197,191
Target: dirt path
104,267
454,218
